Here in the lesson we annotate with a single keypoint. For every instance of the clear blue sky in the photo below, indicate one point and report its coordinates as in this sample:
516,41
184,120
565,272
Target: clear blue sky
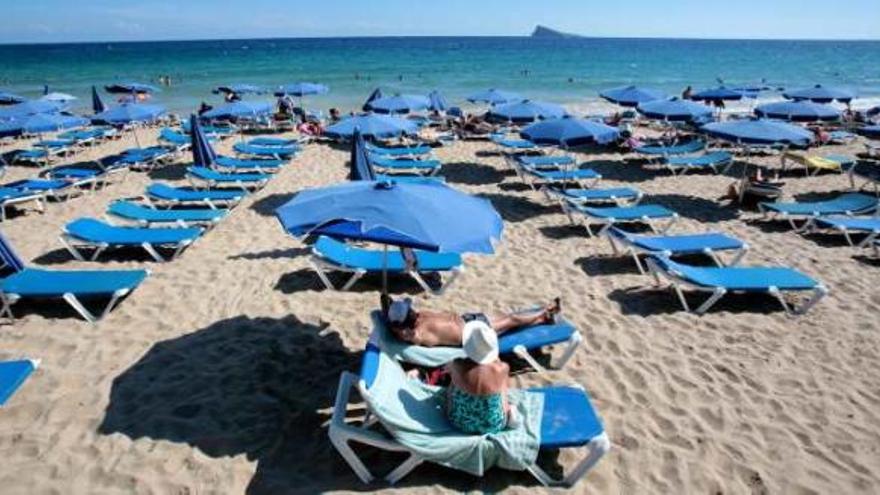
85,20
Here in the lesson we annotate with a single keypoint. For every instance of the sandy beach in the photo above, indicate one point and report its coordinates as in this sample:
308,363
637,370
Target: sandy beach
218,374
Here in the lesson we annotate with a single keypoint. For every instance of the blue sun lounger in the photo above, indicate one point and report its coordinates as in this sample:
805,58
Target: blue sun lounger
846,225
621,196
719,281
276,152
708,243
515,145
13,375
422,167
568,420
332,255
176,140
400,152
99,236
146,217
613,215
143,158
203,177
262,166
657,150
268,141
545,162
72,286
10,196
845,204
55,189
679,165
164,195
519,342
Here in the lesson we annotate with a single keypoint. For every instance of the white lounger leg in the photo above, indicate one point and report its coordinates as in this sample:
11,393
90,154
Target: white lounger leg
597,448
573,343
717,294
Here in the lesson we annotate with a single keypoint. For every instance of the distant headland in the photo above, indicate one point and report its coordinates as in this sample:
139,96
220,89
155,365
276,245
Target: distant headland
545,32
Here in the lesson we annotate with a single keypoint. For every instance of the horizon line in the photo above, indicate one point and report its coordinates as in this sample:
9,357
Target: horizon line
375,36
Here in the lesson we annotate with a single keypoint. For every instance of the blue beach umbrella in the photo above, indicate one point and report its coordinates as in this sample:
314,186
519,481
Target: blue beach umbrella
359,163
527,111
570,132
130,87
128,113
301,89
436,102
202,152
427,216
632,96
495,97
871,131
759,132
399,104
821,94
28,107
675,110
375,95
98,105
371,126
721,93
239,110
40,123
7,98
798,111
240,89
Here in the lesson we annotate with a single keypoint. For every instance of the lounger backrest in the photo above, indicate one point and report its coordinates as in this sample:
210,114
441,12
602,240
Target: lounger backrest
8,256
370,365
856,202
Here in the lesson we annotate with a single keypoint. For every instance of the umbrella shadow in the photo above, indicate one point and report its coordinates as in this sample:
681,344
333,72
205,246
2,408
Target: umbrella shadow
122,253
174,172
597,266
470,173
565,231
623,171
267,205
306,280
274,254
517,208
695,207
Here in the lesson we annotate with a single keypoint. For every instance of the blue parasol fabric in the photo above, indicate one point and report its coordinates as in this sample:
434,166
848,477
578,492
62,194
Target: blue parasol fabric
40,123
98,105
436,102
759,132
239,110
821,94
495,97
570,132
399,104
375,95
675,110
240,89
202,152
527,111
28,107
798,111
129,112
721,93
632,96
301,89
372,126
359,162
7,98
130,87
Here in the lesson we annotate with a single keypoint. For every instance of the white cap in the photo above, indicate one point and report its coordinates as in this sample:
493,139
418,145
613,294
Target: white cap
480,342
399,310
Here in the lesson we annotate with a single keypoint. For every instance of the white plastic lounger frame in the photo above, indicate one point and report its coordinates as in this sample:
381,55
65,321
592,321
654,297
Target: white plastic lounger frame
322,265
807,220
680,170
554,195
246,187
676,283
812,226
36,198
607,223
158,203
7,300
71,242
342,433
621,246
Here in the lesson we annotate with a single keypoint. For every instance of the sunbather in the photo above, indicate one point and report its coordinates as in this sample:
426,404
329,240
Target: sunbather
432,328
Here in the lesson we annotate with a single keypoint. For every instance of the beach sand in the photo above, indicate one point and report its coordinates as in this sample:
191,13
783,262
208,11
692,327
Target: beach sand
218,374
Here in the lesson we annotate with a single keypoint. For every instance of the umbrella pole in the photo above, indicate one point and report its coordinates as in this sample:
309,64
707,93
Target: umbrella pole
385,270
134,131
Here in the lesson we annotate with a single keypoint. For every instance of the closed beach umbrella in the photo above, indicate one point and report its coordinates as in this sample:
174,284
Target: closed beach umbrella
821,94
721,93
495,97
301,89
359,163
239,110
371,126
632,96
7,98
675,110
40,123
128,113
570,132
759,132
798,111
130,87
240,89
28,107
527,111
202,152
98,105
375,95
399,104
436,102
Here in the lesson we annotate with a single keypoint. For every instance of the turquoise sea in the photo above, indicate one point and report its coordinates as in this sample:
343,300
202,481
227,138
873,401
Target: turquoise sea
569,71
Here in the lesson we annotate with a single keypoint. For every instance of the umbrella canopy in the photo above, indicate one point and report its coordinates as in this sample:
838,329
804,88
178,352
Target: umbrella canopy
359,163
40,123
130,87
399,104
7,98
436,102
759,132
372,126
202,152
239,109
28,107
873,111
375,95
240,89
58,97
675,110
632,96
821,94
527,111
870,131
722,93
495,97
798,111
427,216
98,105
570,132
130,112
301,89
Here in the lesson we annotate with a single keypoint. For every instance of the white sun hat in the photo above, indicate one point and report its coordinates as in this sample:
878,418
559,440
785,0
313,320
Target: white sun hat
480,342
399,310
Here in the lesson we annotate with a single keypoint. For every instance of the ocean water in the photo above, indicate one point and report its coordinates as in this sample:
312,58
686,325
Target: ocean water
568,71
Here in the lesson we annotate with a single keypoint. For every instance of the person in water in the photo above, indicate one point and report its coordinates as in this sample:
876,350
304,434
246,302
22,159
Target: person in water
687,93
476,399
438,328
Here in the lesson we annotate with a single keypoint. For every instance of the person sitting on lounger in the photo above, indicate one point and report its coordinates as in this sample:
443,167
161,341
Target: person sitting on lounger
433,328
476,400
